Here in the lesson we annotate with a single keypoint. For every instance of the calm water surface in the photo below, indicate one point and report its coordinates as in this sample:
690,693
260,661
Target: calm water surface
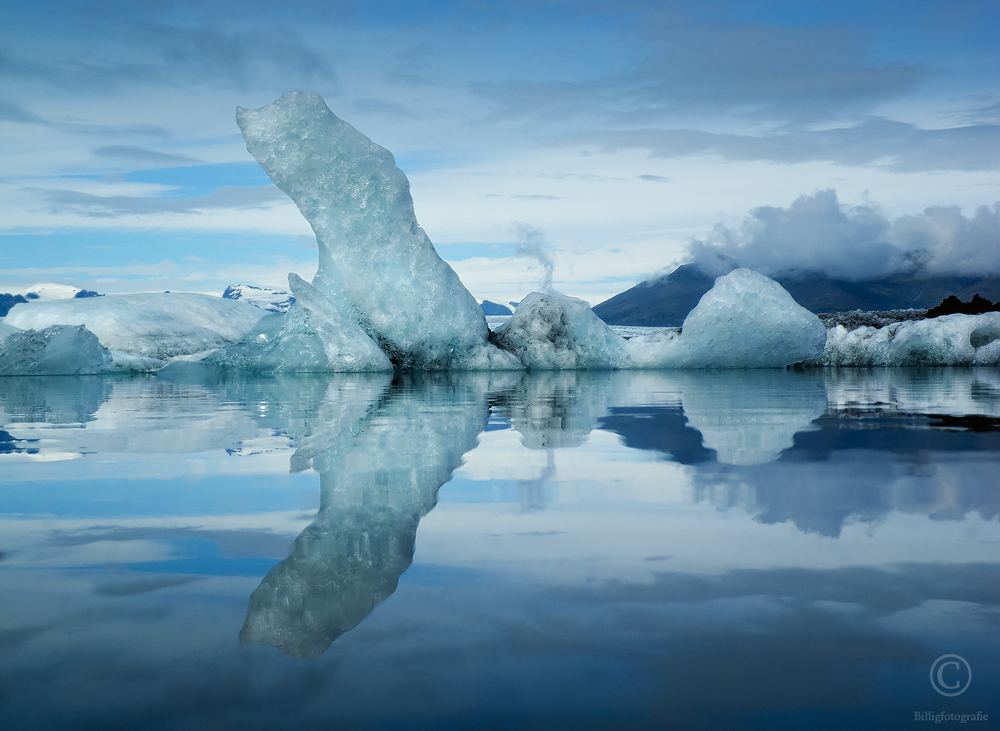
565,550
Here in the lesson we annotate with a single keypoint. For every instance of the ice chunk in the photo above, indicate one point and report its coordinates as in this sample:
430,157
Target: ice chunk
7,329
162,326
941,341
60,350
745,321
748,320
553,331
376,265
313,336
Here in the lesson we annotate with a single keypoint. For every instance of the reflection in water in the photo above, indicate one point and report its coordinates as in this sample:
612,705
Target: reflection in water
818,449
629,599
381,460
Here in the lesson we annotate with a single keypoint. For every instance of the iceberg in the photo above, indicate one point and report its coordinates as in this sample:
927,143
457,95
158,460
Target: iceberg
160,326
376,265
746,320
949,340
60,350
554,332
312,337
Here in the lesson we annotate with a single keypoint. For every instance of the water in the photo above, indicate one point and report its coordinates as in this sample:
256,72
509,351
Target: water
560,550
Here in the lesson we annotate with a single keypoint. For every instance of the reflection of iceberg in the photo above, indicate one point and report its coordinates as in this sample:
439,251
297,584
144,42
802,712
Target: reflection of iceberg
381,463
750,417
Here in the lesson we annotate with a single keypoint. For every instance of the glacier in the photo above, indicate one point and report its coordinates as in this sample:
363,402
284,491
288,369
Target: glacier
153,326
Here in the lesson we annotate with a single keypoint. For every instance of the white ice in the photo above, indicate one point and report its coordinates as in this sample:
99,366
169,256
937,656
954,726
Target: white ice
951,340
161,326
745,321
312,337
376,265
60,350
272,300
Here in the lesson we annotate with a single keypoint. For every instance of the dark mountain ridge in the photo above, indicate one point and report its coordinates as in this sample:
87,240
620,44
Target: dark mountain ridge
666,300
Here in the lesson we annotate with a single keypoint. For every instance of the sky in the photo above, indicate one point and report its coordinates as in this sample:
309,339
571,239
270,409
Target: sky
594,143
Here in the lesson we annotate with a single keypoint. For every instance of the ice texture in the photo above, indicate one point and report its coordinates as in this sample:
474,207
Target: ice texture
60,350
746,320
376,264
161,326
556,332
950,340
311,337
7,329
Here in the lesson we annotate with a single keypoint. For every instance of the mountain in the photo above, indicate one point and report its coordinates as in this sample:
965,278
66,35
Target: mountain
43,292
273,300
492,308
666,300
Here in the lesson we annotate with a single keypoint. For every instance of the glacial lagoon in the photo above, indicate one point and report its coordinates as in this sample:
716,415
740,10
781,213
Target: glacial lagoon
732,549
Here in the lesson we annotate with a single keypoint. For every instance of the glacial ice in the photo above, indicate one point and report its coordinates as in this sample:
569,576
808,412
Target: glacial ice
59,350
161,326
950,340
745,321
311,337
553,332
376,264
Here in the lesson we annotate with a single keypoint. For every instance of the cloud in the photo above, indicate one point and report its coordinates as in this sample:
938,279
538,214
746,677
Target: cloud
139,155
97,206
681,66
877,142
819,233
13,113
148,53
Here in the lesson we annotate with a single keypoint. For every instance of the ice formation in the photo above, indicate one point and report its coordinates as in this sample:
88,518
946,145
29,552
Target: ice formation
553,332
312,337
745,321
160,326
59,350
376,265
950,340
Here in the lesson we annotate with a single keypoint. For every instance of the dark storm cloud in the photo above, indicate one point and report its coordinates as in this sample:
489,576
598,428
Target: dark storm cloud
97,206
819,233
877,142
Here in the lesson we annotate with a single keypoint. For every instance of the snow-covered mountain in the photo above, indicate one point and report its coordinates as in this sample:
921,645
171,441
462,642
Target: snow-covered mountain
43,292
273,300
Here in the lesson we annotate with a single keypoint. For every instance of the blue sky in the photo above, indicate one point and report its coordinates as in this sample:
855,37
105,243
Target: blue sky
626,137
